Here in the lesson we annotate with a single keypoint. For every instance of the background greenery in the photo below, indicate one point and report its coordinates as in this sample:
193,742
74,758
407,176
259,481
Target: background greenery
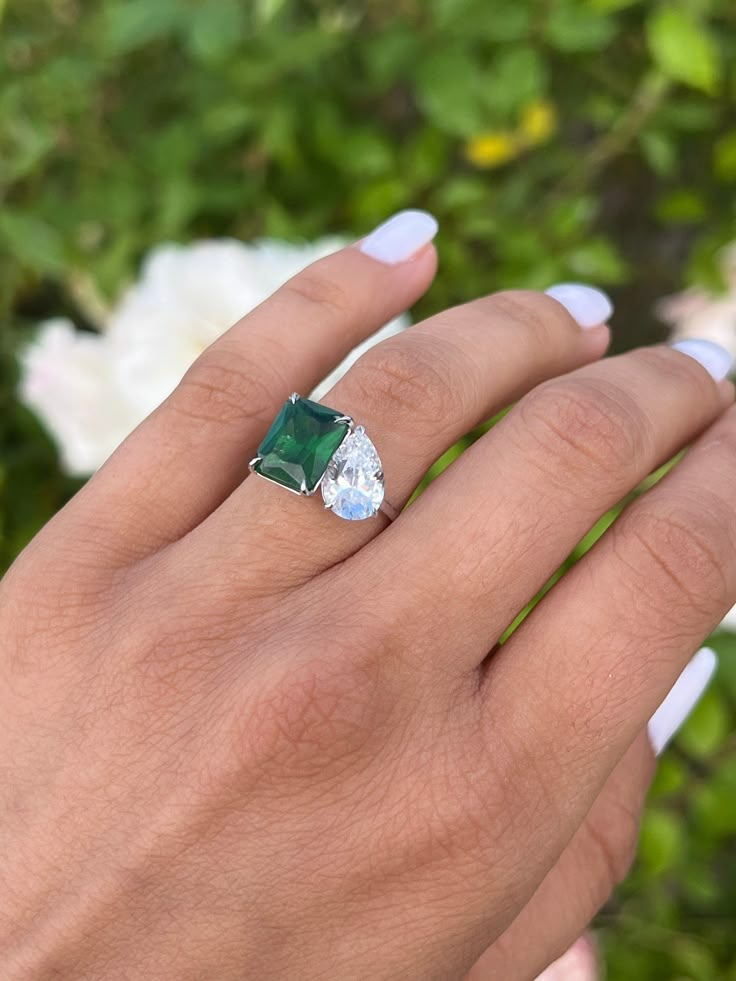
584,139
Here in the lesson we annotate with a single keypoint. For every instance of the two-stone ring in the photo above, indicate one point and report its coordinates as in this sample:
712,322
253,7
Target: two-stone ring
310,447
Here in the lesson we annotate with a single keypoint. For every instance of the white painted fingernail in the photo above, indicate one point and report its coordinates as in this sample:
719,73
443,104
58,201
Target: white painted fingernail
399,238
716,360
589,306
682,699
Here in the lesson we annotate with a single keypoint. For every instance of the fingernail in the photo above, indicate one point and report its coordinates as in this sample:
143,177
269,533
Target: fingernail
587,305
397,239
716,360
682,699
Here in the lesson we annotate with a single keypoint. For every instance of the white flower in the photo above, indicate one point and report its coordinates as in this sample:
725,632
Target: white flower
68,381
92,389
699,313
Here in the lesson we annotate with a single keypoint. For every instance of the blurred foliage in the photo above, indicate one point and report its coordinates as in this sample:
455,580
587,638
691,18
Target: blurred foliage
555,139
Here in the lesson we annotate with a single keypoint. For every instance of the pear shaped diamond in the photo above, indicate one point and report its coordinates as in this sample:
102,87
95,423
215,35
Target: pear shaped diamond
353,482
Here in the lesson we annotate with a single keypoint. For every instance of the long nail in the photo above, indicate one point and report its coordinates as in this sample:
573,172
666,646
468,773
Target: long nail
716,360
682,699
399,238
587,305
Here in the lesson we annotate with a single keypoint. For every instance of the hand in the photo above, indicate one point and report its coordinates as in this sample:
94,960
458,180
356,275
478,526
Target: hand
244,739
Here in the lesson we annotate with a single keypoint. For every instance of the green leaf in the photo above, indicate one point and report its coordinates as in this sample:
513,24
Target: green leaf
216,29
375,200
597,260
366,154
32,240
661,840
612,5
385,60
690,115
683,49
131,24
448,87
571,28
572,216
670,776
725,644
724,157
516,77
707,727
660,152
502,20
462,192
695,959
702,885
681,206
714,808
425,157
267,10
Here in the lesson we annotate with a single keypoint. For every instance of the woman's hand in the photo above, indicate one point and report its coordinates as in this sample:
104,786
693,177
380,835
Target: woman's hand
243,739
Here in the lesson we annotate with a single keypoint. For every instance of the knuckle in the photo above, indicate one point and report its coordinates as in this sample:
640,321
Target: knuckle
171,649
224,386
534,313
408,380
676,554
313,288
315,717
594,427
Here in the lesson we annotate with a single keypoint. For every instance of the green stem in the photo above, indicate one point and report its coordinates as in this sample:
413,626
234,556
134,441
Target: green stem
645,100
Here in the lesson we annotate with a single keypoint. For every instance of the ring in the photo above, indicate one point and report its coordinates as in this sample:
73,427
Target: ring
311,447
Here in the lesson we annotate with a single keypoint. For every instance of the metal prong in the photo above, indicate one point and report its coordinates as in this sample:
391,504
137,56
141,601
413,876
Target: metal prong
253,462
293,397
345,419
304,490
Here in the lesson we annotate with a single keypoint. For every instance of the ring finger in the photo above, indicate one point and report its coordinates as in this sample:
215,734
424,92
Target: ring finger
416,394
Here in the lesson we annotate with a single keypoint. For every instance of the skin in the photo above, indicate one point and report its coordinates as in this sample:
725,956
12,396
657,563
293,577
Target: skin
243,739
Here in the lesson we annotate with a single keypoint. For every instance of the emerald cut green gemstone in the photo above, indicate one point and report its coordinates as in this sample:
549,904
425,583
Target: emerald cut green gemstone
300,444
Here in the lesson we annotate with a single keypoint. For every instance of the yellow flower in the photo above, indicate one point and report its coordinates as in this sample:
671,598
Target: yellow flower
495,147
491,149
538,121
